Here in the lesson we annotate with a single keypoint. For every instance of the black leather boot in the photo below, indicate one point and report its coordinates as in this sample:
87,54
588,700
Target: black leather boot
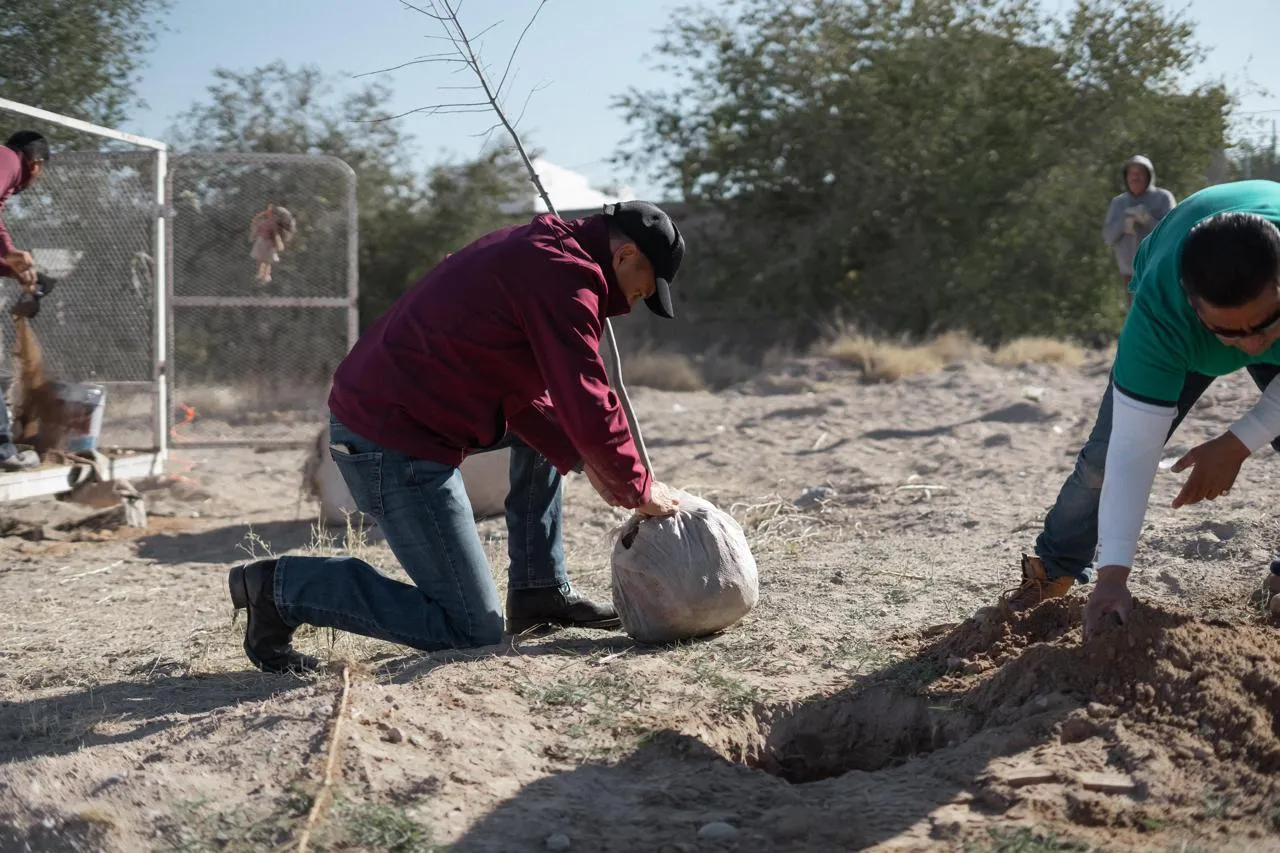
266,637
559,606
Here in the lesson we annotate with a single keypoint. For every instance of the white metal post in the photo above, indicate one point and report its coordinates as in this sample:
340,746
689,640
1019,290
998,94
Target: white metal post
161,364
77,124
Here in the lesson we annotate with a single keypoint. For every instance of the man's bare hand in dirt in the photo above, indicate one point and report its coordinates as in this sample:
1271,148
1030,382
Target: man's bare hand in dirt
1110,596
1216,464
662,501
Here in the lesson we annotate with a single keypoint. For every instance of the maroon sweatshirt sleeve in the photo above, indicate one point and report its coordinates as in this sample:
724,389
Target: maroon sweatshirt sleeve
10,178
561,314
536,425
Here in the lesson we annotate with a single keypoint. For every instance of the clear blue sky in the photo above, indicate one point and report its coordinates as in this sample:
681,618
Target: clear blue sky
583,52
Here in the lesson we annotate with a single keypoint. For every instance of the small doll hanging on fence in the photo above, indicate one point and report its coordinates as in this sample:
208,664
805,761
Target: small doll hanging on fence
269,232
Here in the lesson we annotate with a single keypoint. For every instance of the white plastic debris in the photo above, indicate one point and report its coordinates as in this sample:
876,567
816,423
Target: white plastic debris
485,476
685,576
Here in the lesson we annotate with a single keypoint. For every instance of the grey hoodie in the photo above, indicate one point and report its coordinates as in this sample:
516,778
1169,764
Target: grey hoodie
1154,202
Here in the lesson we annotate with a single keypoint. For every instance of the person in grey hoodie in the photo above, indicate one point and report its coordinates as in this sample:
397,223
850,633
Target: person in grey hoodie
1135,213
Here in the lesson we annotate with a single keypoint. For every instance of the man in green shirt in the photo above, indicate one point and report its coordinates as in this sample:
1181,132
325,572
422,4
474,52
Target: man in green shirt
1207,303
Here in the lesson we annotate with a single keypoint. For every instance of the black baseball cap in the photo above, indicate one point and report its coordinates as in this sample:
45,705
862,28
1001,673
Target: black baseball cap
658,239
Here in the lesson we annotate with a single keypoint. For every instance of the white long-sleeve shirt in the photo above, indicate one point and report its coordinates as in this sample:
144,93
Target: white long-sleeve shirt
1138,433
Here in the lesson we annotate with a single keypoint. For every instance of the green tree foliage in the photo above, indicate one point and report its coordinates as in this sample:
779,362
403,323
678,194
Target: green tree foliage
1258,154
76,57
920,165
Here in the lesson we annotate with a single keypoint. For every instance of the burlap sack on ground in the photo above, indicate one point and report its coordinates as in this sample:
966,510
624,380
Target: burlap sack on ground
682,577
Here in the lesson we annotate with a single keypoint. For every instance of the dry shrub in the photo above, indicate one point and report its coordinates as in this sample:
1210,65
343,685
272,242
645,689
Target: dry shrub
955,347
663,371
884,362
1032,350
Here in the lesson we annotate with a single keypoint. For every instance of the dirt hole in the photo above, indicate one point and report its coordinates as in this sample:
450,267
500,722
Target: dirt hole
879,728
1202,694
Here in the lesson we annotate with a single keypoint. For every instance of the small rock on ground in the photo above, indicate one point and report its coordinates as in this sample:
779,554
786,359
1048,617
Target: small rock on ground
718,831
813,496
558,841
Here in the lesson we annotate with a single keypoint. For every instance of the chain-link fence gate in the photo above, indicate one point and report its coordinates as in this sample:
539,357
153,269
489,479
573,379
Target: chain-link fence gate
251,361
90,223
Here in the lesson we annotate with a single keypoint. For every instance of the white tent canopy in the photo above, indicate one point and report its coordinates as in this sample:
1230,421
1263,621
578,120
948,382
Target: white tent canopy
568,189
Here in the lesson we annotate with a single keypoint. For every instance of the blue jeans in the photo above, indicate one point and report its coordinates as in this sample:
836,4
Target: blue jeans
423,511
1070,536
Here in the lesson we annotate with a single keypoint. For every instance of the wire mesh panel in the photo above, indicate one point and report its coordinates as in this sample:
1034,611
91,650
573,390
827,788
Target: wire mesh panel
252,355
89,223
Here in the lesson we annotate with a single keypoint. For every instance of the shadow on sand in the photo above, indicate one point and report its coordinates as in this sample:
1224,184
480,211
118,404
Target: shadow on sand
873,762
66,723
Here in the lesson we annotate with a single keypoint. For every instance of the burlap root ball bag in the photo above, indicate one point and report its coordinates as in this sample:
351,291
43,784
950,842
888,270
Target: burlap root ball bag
685,576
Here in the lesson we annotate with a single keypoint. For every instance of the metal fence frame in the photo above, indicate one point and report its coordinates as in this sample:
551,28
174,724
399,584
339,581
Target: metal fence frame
348,301
160,247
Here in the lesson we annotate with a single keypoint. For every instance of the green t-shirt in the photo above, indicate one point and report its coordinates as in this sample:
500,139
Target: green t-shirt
1163,340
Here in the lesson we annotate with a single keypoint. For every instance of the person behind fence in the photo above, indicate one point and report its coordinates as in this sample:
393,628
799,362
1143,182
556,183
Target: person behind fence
498,344
1207,303
22,162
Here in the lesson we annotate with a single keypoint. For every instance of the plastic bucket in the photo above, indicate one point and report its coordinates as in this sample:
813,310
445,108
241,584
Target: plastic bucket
82,407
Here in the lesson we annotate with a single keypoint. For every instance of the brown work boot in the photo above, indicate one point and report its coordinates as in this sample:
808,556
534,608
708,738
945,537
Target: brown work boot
1036,586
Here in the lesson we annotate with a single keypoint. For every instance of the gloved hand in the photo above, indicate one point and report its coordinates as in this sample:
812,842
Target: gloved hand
28,304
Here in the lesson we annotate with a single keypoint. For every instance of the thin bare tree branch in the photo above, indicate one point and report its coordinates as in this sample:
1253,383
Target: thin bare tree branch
516,49
431,15
492,26
437,109
421,60
532,92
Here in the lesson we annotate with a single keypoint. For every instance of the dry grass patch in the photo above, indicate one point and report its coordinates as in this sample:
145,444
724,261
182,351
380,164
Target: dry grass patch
954,347
884,362
1033,350
663,371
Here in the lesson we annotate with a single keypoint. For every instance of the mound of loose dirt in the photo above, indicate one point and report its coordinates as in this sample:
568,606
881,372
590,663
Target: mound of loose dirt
1166,723
1195,686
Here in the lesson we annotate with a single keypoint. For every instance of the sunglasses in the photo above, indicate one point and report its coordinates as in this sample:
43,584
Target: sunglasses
1263,328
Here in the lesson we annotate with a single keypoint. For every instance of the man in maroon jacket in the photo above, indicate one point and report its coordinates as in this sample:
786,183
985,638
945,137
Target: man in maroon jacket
22,162
497,345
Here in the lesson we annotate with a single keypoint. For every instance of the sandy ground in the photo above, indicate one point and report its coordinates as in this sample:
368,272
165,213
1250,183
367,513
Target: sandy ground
858,707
